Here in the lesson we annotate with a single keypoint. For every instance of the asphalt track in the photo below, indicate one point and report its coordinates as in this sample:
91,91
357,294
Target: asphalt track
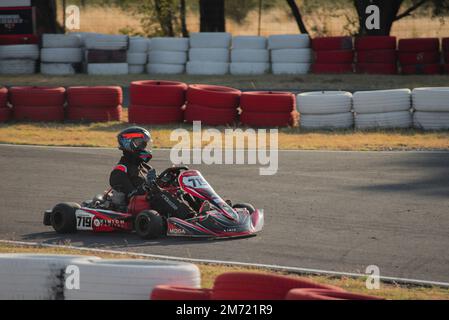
339,211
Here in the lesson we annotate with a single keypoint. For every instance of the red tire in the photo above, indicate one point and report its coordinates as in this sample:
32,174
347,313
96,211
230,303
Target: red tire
3,97
446,57
95,97
38,114
18,39
5,114
334,56
267,101
213,96
332,43
323,294
37,96
154,115
94,114
375,43
422,69
377,56
265,119
446,68
427,57
376,68
445,44
259,286
419,44
158,93
163,292
332,68
210,116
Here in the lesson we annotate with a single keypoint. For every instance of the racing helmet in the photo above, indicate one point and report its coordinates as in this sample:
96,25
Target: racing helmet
136,141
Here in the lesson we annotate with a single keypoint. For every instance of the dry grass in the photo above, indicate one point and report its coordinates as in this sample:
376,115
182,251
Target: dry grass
103,135
210,272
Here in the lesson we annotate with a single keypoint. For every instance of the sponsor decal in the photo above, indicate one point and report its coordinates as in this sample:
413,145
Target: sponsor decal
175,230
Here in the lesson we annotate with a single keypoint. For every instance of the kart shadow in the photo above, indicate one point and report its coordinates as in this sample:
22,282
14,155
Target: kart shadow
112,240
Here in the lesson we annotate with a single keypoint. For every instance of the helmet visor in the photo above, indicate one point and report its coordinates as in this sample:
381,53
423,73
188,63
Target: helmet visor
140,144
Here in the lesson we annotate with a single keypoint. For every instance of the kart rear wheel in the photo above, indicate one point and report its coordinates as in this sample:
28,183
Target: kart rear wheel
63,217
149,225
247,206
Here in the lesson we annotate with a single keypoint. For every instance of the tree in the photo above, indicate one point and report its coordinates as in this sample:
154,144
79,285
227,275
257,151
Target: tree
212,16
390,12
297,14
46,16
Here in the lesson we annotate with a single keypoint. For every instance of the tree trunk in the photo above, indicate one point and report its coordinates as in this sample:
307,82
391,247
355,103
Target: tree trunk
164,15
46,16
388,11
212,16
298,17
185,32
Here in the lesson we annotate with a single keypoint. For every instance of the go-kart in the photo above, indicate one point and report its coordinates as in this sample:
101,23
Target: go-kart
213,218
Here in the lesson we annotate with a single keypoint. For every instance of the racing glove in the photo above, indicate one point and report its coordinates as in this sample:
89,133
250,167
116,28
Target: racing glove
151,177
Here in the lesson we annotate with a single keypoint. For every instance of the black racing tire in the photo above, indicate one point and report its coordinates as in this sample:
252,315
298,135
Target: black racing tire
247,206
63,217
149,225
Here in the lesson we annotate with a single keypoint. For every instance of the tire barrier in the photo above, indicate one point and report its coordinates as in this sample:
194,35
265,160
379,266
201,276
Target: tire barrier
137,56
445,46
106,54
325,110
267,108
6,39
60,54
376,55
45,277
249,56
290,54
18,58
431,107
333,55
419,56
167,55
209,53
179,293
323,294
37,104
5,111
94,104
157,102
213,105
382,109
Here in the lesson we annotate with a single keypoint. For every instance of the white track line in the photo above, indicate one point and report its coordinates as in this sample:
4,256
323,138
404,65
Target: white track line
235,263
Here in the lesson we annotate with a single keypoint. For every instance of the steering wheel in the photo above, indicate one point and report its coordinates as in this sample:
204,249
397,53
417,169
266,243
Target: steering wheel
170,175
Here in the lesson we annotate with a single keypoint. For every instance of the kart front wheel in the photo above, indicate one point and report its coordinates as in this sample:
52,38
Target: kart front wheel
149,225
246,206
63,217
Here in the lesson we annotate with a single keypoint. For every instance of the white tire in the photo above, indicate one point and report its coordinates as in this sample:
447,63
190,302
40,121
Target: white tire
379,101
289,41
106,42
20,51
130,279
59,69
290,68
138,45
137,58
431,120
61,41
291,56
82,36
327,121
107,68
136,69
167,57
249,42
250,55
62,55
207,68
249,68
431,99
209,55
17,66
387,120
210,40
169,44
324,102
159,68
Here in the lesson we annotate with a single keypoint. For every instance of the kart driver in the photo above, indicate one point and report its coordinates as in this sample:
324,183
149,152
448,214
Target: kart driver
134,176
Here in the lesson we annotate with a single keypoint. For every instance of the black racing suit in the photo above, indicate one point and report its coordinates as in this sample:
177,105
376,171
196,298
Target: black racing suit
130,177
